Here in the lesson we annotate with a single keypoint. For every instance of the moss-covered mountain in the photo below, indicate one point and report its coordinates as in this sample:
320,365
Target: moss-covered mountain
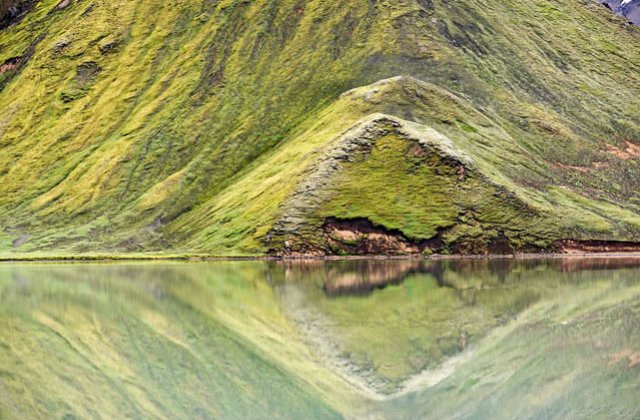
295,126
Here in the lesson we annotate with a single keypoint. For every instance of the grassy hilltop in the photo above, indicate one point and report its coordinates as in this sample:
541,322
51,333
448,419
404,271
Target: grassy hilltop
227,127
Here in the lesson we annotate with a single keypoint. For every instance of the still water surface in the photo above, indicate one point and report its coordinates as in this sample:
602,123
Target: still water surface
356,339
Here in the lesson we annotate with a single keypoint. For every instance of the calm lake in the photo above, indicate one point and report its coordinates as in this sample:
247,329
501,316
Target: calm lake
357,339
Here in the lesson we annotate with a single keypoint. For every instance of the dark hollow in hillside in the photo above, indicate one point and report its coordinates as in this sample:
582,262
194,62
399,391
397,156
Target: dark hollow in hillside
11,11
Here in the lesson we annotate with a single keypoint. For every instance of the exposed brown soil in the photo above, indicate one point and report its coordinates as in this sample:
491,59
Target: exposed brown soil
361,237
63,4
13,66
581,169
628,356
87,72
631,151
591,247
496,246
10,65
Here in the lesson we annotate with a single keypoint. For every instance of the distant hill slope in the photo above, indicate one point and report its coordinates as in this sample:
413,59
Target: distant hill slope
233,128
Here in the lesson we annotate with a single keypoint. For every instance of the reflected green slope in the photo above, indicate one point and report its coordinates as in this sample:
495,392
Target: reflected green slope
432,310
392,334
574,357
356,339
113,342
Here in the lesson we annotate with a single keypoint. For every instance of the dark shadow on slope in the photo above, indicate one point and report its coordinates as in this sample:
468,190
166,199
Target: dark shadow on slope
12,67
12,11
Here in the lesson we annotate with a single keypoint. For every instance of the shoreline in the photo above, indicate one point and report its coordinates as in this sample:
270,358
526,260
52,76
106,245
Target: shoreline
207,258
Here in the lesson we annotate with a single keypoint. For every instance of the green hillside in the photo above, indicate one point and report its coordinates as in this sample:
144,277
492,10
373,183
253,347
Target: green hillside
311,127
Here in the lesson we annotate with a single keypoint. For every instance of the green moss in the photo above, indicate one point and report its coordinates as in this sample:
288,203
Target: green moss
238,96
391,189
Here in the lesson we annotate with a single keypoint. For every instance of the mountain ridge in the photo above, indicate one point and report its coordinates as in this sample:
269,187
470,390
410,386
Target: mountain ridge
126,135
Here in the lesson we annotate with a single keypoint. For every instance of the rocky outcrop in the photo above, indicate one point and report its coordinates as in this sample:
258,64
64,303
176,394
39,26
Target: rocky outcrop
367,238
11,11
12,66
361,237
627,8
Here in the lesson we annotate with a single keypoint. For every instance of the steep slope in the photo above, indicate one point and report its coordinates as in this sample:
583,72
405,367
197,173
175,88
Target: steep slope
218,127
362,180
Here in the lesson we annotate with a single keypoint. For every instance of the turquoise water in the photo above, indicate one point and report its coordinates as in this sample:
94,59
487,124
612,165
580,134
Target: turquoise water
356,339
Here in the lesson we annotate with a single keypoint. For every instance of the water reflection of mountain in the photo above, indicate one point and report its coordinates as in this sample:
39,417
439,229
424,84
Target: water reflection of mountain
363,277
547,338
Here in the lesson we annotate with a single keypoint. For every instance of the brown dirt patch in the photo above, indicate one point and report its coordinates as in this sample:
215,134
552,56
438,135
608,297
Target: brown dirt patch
630,151
580,169
87,72
416,150
627,356
11,64
361,237
592,247
584,169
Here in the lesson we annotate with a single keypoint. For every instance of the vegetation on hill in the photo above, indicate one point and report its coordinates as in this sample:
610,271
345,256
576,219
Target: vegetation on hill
226,127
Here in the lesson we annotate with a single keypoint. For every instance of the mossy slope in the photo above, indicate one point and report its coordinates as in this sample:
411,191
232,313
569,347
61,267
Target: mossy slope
189,127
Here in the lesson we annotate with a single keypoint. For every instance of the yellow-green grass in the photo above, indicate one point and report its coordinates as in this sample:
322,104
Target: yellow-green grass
201,119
